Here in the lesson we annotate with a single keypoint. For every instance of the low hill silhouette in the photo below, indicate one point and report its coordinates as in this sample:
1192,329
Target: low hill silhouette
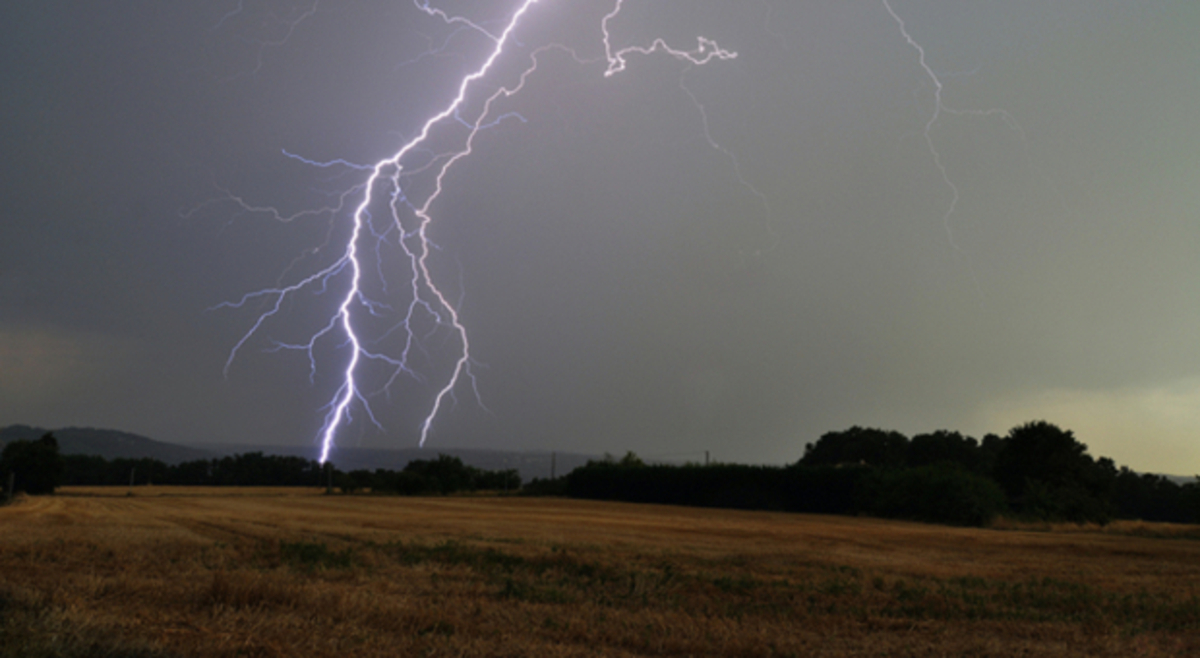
109,444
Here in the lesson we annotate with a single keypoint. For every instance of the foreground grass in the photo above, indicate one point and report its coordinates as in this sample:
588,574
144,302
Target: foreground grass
264,573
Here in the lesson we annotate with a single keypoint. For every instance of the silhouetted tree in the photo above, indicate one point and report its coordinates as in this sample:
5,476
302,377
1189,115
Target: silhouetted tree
630,460
944,447
85,470
443,475
1150,497
857,445
989,447
1047,473
506,480
257,469
196,473
1190,500
37,465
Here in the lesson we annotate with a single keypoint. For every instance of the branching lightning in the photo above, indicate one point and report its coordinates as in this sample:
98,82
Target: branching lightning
289,27
408,226
940,108
408,217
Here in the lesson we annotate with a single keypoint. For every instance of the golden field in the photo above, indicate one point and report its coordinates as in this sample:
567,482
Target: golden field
174,571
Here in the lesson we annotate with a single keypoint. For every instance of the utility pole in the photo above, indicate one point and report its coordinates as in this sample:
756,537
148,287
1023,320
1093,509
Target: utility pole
706,458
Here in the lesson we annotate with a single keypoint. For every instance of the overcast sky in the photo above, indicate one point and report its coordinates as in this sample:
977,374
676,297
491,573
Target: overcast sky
630,278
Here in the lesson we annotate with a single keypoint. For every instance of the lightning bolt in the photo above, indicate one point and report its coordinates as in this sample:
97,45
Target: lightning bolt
940,108
706,50
290,24
427,300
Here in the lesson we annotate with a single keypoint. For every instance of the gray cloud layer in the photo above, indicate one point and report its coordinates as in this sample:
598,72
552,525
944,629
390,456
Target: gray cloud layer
622,287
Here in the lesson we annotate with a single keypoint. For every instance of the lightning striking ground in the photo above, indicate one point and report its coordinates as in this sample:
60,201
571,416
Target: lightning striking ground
426,297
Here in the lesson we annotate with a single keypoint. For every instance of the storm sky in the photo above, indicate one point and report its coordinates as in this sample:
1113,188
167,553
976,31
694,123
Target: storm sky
627,285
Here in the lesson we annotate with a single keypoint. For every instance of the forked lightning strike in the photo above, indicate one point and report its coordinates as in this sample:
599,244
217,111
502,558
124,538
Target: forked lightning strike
426,299
426,296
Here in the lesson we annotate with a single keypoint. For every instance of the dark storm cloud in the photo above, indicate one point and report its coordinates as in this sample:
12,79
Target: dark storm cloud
622,287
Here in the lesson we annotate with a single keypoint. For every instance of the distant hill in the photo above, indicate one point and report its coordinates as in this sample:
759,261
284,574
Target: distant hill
110,444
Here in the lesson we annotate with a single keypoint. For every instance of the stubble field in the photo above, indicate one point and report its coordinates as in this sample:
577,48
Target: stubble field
275,572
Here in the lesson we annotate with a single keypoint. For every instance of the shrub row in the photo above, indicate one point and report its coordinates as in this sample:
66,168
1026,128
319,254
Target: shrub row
444,475
938,493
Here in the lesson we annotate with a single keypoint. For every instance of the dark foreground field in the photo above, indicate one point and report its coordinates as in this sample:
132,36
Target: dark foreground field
252,572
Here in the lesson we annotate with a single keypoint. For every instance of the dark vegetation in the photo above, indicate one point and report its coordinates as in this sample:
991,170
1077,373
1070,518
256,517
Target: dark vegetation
34,467
1037,472
942,493
441,476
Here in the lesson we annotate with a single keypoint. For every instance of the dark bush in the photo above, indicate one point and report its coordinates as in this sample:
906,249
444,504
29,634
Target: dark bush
35,466
941,493
825,489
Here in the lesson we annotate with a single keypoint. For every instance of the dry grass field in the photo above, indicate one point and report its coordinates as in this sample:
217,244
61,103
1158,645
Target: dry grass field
271,572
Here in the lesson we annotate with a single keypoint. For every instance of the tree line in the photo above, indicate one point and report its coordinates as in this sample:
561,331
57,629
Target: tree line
441,476
1037,472
36,467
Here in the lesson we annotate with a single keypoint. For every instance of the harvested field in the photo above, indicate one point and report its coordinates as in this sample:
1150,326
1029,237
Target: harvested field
287,572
